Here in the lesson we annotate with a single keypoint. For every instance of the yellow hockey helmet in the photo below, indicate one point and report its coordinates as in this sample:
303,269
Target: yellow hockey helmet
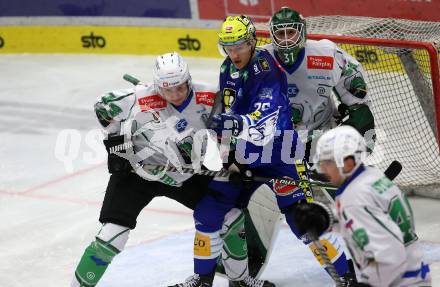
236,30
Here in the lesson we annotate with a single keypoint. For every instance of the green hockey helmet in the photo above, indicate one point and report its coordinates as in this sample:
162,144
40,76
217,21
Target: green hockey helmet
288,34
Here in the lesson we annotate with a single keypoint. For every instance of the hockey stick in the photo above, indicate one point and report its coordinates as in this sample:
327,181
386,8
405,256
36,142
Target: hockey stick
156,169
131,79
392,171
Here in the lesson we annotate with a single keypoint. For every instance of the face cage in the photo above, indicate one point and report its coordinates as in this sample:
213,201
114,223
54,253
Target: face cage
296,26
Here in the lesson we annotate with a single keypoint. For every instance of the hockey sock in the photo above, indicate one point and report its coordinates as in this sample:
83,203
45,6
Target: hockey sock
234,252
207,248
98,255
334,251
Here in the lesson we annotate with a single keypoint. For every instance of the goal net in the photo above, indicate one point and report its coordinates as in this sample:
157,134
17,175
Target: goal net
401,61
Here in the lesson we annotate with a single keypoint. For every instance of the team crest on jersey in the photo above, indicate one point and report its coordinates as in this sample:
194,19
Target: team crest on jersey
181,125
229,97
264,64
292,90
151,103
320,62
205,98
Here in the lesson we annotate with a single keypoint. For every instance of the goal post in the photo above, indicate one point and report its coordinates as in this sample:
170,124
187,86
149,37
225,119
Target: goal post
402,67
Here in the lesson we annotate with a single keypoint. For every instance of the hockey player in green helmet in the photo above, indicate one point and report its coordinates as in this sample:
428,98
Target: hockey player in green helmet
288,34
315,71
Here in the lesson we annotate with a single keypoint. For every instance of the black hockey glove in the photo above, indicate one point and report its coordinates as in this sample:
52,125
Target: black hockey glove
314,217
116,163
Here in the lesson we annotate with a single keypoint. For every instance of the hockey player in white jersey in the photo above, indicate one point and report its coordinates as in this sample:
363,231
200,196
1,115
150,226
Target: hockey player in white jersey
152,124
375,217
314,70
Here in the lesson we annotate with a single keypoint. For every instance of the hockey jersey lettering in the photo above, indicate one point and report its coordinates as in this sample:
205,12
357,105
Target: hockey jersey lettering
205,99
152,102
320,62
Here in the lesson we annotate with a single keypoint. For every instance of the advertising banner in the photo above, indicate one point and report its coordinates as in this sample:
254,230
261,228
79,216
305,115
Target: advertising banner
127,8
108,40
261,10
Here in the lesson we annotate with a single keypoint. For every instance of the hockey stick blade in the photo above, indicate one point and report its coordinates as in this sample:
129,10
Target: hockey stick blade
393,170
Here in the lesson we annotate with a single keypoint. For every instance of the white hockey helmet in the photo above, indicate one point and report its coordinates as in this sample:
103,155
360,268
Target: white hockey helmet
170,70
339,143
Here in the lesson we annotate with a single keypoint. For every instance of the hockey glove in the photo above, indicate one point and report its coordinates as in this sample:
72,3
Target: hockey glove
105,112
314,217
115,163
358,116
230,122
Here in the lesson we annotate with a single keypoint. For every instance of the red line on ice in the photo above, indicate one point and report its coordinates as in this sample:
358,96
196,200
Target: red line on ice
56,180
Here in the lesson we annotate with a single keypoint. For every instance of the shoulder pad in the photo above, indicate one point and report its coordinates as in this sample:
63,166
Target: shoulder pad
321,44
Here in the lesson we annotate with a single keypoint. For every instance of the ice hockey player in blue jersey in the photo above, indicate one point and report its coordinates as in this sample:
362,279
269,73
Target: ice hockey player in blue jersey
255,124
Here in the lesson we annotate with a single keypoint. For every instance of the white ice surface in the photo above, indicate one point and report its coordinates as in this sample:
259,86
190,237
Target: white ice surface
49,215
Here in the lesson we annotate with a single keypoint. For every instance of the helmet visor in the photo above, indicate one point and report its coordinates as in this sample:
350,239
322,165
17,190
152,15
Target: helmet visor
241,49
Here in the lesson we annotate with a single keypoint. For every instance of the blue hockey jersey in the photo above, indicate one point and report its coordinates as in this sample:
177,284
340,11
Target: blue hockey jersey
258,93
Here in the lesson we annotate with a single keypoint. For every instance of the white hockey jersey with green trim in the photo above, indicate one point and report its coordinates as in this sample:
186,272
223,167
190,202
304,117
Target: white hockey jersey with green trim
320,68
376,221
161,133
